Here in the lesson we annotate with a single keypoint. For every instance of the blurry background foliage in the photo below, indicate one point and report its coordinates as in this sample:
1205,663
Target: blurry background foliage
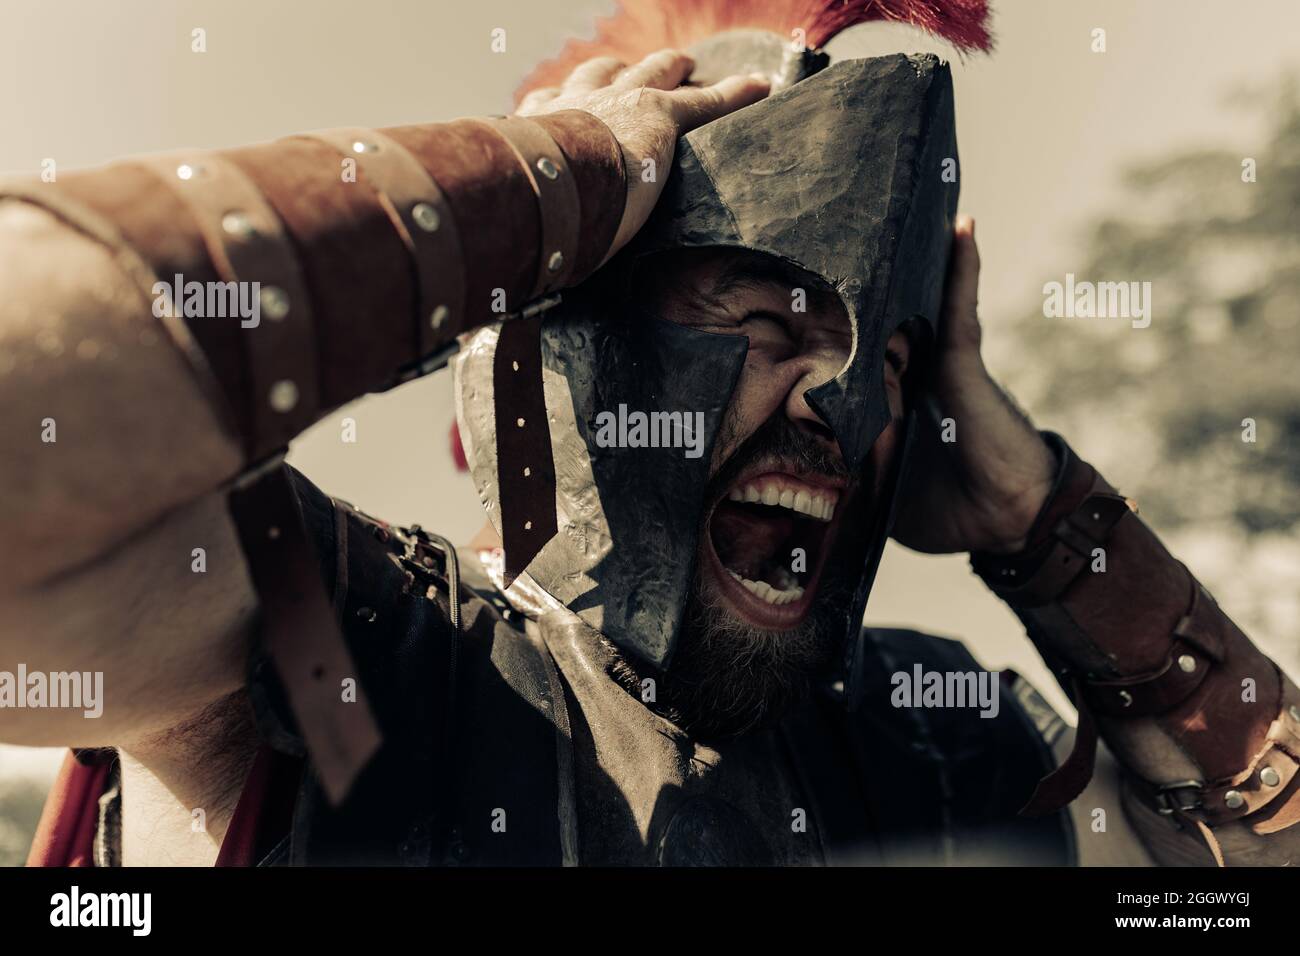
1161,408
20,809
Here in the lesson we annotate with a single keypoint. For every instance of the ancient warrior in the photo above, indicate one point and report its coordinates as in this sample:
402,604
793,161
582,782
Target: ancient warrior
711,319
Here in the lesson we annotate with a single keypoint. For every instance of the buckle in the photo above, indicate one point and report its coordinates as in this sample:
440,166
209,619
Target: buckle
1163,796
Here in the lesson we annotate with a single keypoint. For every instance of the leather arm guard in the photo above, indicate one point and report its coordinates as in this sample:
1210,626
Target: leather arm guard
370,251
1207,726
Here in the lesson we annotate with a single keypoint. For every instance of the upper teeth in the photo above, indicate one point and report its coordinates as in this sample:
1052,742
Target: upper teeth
817,506
768,593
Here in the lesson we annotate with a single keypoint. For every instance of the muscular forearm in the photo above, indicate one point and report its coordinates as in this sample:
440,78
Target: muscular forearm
1178,692
371,251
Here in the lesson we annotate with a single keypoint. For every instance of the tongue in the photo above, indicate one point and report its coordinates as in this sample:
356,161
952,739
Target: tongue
746,542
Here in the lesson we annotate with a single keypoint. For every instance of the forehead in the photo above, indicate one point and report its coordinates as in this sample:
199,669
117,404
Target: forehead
723,277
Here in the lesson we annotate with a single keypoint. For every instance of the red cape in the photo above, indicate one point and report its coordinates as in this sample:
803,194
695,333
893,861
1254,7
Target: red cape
66,834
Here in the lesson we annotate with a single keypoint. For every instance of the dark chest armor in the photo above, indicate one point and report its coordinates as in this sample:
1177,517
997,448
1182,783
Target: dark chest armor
489,752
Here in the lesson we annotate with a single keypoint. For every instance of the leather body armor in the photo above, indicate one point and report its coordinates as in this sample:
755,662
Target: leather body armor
476,728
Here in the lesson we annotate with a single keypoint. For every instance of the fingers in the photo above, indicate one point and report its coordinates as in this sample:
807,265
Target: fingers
695,106
536,99
591,75
961,292
664,70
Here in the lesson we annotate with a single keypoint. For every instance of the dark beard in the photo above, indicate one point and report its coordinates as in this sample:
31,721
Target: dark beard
728,677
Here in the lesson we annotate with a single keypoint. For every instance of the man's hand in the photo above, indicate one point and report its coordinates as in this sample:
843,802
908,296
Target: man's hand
643,107
981,491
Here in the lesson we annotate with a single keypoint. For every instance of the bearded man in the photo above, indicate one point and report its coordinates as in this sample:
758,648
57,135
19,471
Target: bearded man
661,660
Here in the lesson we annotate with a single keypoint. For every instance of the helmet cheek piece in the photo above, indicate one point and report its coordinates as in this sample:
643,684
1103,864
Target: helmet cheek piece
849,175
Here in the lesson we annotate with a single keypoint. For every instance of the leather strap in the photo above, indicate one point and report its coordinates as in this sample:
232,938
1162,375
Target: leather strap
498,216
557,196
1266,781
1060,787
525,461
1197,646
247,243
356,266
597,163
1117,637
1072,543
300,631
424,221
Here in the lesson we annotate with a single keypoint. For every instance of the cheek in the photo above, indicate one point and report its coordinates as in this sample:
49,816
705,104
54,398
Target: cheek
755,399
894,395
736,427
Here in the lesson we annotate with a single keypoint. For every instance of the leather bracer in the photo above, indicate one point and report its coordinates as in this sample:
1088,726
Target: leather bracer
365,252
371,249
1133,636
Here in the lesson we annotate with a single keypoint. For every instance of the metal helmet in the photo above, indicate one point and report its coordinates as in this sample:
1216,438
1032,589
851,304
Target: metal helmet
850,174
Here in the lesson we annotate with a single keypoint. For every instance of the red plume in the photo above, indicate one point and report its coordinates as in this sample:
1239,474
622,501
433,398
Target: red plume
640,27
457,448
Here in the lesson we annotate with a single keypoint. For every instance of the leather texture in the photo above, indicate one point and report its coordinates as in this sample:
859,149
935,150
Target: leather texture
355,263
557,200
596,163
365,286
247,243
494,207
470,728
298,631
420,215
525,459
468,719
1138,637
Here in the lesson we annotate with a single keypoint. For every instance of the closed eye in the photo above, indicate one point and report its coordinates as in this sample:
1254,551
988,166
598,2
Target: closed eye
769,332
895,360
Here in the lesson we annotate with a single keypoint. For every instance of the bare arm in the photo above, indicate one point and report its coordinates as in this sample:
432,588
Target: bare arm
99,524
122,429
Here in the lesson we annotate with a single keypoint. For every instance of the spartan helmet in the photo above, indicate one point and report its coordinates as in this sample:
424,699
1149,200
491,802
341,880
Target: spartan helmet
849,174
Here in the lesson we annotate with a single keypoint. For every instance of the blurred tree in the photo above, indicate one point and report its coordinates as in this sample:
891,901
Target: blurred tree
1164,405
21,801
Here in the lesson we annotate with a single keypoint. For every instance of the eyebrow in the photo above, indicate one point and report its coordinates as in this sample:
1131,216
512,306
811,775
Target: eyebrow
749,272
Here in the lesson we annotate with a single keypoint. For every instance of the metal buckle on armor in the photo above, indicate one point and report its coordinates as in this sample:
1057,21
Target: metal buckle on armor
419,555
1163,795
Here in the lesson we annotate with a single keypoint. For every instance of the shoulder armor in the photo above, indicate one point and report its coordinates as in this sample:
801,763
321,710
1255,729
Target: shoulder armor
469,769
941,785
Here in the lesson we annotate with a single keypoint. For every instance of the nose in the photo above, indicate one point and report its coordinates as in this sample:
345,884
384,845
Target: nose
815,368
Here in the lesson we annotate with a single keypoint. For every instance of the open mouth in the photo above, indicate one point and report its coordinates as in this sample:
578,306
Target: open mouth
769,536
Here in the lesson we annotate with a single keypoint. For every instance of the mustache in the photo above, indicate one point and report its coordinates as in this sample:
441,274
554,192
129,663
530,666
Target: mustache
778,438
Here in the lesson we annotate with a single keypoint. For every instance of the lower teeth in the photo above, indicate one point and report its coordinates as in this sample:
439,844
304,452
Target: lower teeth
771,594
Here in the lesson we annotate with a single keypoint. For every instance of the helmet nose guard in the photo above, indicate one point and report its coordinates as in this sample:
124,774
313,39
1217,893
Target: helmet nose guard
852,175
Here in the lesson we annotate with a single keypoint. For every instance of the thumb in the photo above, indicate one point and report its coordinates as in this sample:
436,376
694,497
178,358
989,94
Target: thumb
694,106
961,324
